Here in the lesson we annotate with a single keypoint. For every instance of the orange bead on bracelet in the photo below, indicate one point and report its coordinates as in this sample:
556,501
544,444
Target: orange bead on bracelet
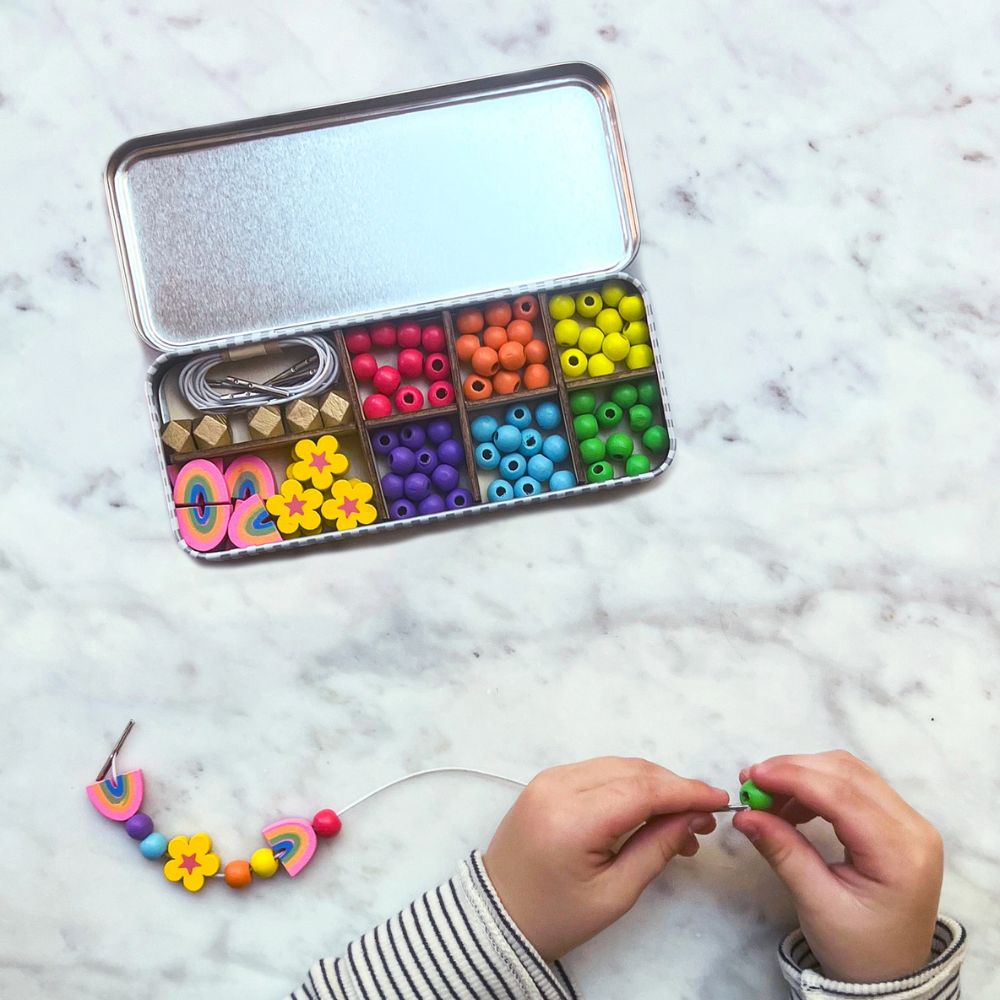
237,874
476,387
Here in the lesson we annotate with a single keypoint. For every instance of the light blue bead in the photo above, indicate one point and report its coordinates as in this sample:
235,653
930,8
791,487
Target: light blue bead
487,455
547,416
531,442
555,448
527,487
540,468
499,489
482,428
562,480
154,846
507,438
519,415
513,466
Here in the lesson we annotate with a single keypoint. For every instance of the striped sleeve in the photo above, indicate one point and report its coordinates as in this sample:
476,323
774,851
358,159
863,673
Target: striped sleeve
454,943
938,980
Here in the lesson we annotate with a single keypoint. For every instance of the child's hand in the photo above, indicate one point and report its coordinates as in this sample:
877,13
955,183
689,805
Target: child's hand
553,860
869,918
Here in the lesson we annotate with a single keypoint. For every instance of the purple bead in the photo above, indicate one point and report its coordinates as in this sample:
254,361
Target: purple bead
392,486
451,452
417,486
439,430
402,461
457,499
445,478
139,826
401,509
384,441
427,460
413,436
432,504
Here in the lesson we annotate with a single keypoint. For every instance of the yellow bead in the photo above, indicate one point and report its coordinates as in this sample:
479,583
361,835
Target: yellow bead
640,356
590,340
263,863
637,332
573,363
566,332
588,304
600,364
616,347
613,292
561,306
631,307
609,321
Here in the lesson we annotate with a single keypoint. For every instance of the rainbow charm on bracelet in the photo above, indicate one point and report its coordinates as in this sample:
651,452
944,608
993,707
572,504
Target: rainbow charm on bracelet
190,860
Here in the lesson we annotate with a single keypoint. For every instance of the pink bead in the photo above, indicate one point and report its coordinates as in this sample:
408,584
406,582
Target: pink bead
437,366
410,363
432,339
384,335
377,406
441,394
408,335
409,399
387,380
364,367
357,340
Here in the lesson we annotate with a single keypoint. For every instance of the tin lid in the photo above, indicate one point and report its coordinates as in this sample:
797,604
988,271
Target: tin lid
394,204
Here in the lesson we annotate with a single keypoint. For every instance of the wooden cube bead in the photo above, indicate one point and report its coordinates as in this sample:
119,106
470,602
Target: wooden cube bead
302,415
333,409
212,431
265,422
177,437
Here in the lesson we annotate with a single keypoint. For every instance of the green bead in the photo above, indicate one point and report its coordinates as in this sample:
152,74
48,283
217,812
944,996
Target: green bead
656,438
625,395
636,465
752,796
640,417
609,415
592,450
582,402
600,472
585,426
648,393
619,446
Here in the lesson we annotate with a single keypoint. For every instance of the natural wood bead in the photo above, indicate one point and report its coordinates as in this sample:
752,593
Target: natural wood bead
177,437
265,422
333,409
212,431
302,415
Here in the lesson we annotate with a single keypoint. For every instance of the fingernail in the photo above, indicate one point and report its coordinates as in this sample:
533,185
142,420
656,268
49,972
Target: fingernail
700,824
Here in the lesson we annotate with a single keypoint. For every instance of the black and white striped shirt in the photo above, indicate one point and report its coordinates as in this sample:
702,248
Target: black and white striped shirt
457,942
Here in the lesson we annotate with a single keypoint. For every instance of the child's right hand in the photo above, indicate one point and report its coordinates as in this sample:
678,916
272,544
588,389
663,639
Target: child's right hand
871,917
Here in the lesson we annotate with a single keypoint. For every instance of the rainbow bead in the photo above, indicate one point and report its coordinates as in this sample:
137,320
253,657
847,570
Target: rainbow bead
292,841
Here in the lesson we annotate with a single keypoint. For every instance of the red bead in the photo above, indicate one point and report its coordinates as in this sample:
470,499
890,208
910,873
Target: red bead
387,380
441,393
357,340
408,335
409,399
377,406
526,307
364,367
384,335
326,823
432,339
410,363
437,366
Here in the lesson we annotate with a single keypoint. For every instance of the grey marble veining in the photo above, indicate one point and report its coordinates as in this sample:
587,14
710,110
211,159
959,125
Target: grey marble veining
817,185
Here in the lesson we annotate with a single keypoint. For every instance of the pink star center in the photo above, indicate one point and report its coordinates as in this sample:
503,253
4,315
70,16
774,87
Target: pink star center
189,862
296,506
349,506
319,462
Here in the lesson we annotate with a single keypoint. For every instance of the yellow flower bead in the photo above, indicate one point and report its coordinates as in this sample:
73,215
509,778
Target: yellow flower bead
609,320
319,462
573,363
590,340
588,304
637,332
640,356
632,308
600,364
616,347
566,332
295,508
561,306
191,861
263,863
350,505
613,292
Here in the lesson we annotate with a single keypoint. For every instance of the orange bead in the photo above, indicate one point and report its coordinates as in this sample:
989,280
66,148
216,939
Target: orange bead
520,330
536,377
485,361
497,314
504,383
237,874
475,387
466,346
536,352
511,356
526,307
495,337
469,321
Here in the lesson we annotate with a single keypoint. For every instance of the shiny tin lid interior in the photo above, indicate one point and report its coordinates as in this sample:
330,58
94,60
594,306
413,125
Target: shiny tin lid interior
387,205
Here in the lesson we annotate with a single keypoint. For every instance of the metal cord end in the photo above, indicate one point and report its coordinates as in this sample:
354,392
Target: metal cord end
114,753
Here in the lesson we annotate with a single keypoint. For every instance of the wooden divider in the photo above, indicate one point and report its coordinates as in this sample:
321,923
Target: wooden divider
462,407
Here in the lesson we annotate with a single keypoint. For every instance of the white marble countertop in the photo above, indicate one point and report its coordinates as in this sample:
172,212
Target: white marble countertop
817,185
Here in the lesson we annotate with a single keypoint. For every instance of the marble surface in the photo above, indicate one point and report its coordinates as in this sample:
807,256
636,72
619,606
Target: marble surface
817,184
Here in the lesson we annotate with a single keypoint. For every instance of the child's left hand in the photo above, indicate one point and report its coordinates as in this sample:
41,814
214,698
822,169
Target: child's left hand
553,860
